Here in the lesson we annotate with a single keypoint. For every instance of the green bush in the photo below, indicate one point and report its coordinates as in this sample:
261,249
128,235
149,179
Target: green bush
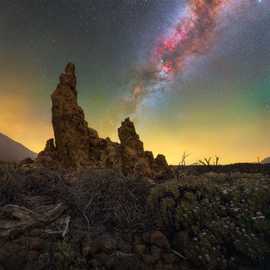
216,221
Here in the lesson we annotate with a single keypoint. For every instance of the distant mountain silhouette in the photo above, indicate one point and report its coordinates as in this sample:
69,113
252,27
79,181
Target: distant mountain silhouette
11,150
266,161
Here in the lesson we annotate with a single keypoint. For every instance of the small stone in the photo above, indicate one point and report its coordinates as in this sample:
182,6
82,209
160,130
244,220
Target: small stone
168,267
108,245
123,246
137,239
140,249
26,161
181,240
156,252
147,237
90,248
159,239
36,244
159,266
149,259
103,258
37,232
33,255
168,258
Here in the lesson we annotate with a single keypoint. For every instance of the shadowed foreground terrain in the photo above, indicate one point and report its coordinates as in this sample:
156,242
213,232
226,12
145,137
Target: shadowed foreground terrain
100,219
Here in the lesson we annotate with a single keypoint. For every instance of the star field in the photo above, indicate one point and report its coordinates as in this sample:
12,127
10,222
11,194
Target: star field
218,105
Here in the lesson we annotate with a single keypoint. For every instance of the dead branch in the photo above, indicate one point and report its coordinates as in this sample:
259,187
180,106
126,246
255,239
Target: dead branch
67,222
14,219
217,160
183,159
178,254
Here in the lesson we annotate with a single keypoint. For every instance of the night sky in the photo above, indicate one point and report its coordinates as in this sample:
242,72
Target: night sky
213,99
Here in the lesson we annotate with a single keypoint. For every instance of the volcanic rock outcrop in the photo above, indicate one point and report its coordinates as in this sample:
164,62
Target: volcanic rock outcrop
75,145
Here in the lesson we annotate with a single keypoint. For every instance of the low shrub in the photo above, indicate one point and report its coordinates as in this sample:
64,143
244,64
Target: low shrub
216,221
107,198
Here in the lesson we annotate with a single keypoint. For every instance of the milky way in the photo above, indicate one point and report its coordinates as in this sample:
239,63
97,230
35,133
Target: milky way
192,35
186,71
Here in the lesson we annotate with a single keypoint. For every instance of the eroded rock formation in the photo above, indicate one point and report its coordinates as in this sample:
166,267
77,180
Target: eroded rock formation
72,135
75,145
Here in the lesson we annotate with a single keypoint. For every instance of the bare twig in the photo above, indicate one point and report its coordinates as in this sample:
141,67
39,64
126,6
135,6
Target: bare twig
181,165
67,222
208,161
178,254
205,161
217,160
183,159
86,209
21,218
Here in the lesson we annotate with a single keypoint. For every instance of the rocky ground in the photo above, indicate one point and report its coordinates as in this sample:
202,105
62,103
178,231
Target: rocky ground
100,219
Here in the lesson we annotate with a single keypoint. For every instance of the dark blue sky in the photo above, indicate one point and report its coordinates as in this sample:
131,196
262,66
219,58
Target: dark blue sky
219,105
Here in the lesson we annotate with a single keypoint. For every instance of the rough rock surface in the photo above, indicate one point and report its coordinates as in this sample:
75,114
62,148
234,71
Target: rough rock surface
78,146
72,135
134,160
48,157
129,138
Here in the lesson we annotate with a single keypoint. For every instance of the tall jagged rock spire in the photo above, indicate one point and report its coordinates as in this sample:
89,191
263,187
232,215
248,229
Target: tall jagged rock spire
68,78
71,131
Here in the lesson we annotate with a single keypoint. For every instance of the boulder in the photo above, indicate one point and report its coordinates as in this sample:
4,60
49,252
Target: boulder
158,239
129,139
49,156
161,168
